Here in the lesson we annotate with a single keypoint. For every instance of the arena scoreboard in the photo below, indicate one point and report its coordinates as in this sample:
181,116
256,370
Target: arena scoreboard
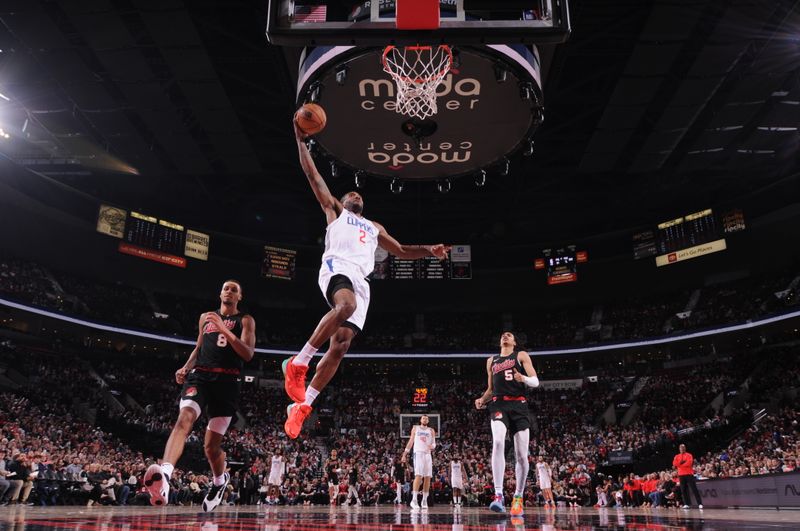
278,263
561,265
151,238
420,399
686,237
457,266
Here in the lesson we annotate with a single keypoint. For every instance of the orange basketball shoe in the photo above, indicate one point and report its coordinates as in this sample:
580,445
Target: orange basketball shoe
295,380
516,506
298,413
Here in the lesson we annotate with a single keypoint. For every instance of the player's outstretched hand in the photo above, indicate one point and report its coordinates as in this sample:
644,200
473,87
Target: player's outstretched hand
298,133
440,250
180,375
479,404
518,377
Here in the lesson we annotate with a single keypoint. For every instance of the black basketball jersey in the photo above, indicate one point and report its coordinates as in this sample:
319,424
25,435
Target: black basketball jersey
503,382
333,465
215,352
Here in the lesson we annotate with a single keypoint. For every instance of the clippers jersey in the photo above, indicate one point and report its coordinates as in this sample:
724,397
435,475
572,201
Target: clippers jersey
351,241
216,355
422,438
503,383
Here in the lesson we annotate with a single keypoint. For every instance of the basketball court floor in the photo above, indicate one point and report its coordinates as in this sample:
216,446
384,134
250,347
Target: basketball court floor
384,518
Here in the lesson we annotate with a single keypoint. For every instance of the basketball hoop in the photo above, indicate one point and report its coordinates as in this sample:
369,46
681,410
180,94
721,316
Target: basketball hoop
417,71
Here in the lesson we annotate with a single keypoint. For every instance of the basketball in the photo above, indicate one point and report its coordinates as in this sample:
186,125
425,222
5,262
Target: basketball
310,118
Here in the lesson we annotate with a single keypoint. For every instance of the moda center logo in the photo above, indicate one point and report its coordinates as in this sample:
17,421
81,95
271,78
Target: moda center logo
480,120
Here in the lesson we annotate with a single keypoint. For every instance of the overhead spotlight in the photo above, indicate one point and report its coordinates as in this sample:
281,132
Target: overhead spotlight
341,74
500,73
360,179
443,186
525,91
396,186
528,149
313,92
480,179
505,167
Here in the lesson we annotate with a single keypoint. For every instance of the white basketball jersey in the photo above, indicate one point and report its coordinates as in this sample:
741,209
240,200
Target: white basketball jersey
455,469
422,438
351,239
277,466
541,470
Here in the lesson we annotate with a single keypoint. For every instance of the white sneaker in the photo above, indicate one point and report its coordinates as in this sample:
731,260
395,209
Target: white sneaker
414,505
424,504
700,506
214,496
157,484
685,507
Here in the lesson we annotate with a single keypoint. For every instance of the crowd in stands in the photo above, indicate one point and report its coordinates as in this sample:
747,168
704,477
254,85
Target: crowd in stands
61,457
647,316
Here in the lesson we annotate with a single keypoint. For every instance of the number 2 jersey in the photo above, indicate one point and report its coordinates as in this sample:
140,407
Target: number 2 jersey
216,354
503,382
350,242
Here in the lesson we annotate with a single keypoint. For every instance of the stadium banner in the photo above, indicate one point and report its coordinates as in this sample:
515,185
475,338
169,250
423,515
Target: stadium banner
196,244
155,256
561,384
691,252
111,221
772,490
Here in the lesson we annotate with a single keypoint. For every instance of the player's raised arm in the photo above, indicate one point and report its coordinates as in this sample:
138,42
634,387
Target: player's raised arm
481,402
330,205
409,252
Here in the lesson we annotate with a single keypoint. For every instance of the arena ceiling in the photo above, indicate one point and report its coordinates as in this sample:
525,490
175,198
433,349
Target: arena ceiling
182,109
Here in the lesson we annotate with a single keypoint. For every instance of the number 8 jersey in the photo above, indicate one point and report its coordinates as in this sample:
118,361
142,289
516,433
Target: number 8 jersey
503,382
216,355
350,241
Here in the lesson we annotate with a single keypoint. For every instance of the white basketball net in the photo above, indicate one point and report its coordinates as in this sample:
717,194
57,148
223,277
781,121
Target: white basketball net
417,71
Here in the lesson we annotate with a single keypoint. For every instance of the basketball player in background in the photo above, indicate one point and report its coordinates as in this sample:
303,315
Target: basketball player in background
349,257
510,374
211,380
277,469
423,439
456,480
544,476
333,467
399,476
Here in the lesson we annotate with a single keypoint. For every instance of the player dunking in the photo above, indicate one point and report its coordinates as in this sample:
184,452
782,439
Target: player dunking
423,438
211,379
350,243
508,410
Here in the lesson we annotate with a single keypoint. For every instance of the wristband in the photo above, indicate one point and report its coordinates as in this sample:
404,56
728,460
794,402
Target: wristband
531,381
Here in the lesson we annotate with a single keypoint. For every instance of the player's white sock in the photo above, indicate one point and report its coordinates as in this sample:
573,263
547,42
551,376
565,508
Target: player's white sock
311,394
219,480
167,469
414,496
305,355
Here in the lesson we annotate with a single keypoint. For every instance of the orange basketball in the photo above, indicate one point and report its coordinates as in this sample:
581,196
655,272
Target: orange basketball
310,118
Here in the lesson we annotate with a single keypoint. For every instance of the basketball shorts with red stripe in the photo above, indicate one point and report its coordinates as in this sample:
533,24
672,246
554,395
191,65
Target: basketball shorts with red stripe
215,394
515,415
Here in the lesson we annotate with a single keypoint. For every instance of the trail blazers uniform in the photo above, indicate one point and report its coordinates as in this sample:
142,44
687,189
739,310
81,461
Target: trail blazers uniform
214,383
508,404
